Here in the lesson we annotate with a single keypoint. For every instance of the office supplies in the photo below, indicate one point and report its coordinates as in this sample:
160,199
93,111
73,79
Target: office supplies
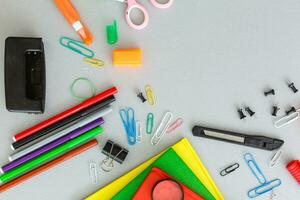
150,95
133,5
229,169
275,158
61,133
256,141
114,152
112,33
275,111
293,88
162,128
49,155
61,140
71,15
25,75
241,114
167,190
291,110
62,124
150,123
294,168
171,164
49,165
138,131
93,62
249,111
76,46
93,172
91,85
185,152
264,186
142,98
155,175
65,114
127,57
269,92
287,119
128,120
176,124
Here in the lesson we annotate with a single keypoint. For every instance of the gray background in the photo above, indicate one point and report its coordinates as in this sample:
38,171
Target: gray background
203,59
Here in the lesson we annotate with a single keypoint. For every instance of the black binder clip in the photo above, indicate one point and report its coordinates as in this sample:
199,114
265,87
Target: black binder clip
114,152
25,75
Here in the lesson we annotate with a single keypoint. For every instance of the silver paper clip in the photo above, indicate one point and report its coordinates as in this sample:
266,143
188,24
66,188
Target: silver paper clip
287,119
139,131
177,123
275,158
162,128
229,169
93,172
150,95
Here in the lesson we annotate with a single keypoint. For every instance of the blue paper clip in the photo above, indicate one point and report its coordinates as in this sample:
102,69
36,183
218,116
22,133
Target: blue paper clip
255,168
128,119
76,46
266,187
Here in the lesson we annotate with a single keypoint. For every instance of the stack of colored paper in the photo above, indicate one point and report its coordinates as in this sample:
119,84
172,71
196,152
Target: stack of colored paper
179,162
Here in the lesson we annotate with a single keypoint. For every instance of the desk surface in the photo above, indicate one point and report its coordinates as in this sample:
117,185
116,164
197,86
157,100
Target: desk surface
203,59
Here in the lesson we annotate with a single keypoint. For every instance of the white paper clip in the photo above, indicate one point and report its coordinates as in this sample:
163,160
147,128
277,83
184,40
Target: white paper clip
177,123
139,131
287,119
275,158
162,128
93,173
150,95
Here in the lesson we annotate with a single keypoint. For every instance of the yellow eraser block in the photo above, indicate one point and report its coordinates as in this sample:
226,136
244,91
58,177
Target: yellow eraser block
127,57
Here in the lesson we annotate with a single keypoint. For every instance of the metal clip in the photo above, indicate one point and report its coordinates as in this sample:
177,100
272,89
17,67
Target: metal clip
93,62
287,119
150,95
255,168
93,172
139,131
76,46
150,123
162,128
264,188
229,169
128,120
275,158
177,123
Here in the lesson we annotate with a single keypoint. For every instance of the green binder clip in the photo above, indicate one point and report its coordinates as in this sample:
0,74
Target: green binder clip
112,33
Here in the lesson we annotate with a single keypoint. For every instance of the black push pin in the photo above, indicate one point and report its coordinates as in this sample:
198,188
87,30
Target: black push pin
142,98
242,116
275,111
249,111
292,110
293,88
270,92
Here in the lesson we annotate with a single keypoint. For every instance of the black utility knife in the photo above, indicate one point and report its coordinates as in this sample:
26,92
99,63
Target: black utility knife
255,141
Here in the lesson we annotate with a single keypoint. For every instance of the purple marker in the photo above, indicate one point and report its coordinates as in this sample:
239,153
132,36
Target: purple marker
52,145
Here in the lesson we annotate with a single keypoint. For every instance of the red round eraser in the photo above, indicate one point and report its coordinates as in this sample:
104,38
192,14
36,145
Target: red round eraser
167,190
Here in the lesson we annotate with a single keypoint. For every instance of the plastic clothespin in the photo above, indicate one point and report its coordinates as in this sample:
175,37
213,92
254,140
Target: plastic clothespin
112,33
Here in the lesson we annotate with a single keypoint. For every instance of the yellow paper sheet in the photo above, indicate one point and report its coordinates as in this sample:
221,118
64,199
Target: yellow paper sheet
185,151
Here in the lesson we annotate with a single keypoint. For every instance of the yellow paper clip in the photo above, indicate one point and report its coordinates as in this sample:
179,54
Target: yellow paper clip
150,95
93,62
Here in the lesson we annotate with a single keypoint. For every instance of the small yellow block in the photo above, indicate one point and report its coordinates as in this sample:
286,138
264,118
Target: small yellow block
127,57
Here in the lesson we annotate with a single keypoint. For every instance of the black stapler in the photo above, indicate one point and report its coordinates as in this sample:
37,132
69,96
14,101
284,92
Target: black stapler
25,75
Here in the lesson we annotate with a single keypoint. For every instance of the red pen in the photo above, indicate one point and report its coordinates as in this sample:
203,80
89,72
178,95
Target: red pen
65,114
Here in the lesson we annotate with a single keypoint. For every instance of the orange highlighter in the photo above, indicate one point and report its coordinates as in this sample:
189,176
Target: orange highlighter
71,15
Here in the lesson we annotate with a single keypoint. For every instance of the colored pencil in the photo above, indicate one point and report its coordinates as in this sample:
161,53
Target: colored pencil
65,114
48,165
12,165
30,165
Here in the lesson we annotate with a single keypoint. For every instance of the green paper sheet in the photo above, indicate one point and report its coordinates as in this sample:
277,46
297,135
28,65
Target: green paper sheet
172,164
